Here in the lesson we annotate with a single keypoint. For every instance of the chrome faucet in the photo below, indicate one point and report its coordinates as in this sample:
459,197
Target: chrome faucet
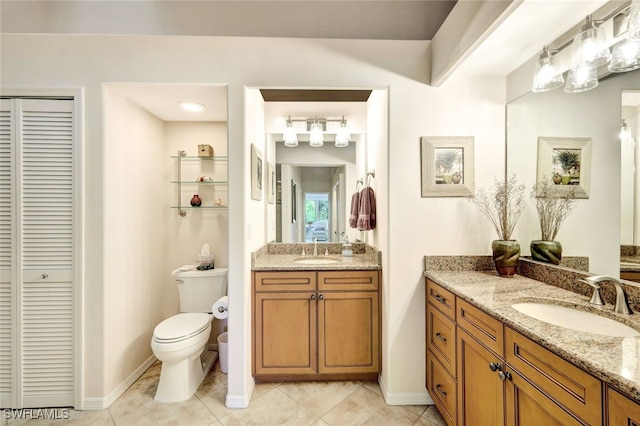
621,307
315,246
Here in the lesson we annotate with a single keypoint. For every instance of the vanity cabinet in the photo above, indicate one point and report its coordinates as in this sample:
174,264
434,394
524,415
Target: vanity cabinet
310,325
621,411
501,377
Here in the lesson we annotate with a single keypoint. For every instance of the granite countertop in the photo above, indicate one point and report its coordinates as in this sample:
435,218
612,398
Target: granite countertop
614,360
285,257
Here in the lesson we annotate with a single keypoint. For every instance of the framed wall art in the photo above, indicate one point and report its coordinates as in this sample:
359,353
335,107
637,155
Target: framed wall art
256,173
566,162
447,166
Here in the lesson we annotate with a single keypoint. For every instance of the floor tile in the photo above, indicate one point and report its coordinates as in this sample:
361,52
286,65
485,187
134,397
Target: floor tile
319,397
139,395
191,412
366,407
213,393
272,408
432,415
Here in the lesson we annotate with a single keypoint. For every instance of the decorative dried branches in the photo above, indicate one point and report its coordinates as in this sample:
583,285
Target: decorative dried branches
553,206
502,204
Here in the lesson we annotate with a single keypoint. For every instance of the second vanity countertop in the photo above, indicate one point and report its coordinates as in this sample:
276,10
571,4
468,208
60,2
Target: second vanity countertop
285,257
614,360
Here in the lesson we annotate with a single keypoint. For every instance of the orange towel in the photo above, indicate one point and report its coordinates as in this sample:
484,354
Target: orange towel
367,210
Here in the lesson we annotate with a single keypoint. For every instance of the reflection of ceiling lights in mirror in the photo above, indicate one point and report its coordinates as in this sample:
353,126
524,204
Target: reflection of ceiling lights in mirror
192,106
625,133
591,50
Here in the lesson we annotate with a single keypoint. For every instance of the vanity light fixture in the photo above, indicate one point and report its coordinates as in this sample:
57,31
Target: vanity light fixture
591,50
546,75
343,137
316,137
590,47
316,127
289,135
192,106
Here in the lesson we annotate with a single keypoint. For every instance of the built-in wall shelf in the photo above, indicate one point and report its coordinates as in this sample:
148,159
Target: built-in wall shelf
210,200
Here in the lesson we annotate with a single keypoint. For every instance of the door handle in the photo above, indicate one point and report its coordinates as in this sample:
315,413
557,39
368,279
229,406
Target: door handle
441,337
313,296
440,391
44,276
321,297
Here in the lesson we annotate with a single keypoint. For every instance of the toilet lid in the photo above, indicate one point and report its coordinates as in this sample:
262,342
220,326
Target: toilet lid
181,327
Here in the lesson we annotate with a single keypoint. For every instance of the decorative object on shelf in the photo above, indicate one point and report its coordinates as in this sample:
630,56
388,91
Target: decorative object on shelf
196,201
502,204
553,207
447,166
568,157
256,173
218,202
205,179
205,151
271,188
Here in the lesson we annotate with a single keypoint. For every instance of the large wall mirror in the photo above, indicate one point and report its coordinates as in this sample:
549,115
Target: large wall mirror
608,217
325,177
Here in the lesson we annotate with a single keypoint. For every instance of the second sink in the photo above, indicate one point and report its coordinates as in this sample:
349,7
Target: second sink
575,319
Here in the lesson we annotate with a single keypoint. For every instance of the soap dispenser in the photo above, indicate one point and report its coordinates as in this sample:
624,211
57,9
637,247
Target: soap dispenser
346,247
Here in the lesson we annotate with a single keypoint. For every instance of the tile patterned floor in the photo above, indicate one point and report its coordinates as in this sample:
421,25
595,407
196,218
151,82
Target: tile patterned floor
297,404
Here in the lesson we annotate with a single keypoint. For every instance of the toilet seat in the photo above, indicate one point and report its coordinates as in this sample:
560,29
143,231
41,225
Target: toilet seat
181,327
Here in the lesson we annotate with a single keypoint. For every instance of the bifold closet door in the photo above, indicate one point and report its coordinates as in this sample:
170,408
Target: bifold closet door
37,253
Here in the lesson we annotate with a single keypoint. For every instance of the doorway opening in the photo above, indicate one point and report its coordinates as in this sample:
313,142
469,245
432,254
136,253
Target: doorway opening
317,216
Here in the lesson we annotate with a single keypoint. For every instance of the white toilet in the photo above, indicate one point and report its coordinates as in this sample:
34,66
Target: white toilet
180,341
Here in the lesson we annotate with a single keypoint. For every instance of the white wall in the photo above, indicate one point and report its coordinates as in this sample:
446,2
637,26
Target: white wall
134,238
415,226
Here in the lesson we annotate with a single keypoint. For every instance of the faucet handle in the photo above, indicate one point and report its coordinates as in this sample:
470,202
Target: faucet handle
595,298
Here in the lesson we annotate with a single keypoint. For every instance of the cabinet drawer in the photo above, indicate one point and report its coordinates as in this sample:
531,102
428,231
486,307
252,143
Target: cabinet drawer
562,381
442,389
621,410
442,299
285,281
441,338
483,327
347,280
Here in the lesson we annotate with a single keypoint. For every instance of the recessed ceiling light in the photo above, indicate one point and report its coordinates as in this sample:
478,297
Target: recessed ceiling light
192,106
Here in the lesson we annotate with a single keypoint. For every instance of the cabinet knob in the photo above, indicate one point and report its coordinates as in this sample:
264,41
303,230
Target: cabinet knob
440,391
321,297
313,297
504,375
44,276
441,337
495,366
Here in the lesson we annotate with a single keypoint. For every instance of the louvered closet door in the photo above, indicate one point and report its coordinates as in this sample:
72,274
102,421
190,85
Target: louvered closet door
42,253
7,312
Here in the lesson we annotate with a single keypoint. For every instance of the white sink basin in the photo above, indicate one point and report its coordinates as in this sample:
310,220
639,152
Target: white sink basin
575,319
318,260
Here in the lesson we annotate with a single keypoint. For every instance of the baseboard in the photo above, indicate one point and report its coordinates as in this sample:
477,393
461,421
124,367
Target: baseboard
103,403
404,398
240,401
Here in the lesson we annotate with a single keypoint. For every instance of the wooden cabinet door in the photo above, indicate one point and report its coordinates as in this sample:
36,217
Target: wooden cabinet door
285,333
442,389
348,332
480,391
622,411
527,405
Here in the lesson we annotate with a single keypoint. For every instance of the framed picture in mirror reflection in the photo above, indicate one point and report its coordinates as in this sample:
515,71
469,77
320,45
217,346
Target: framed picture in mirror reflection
565,162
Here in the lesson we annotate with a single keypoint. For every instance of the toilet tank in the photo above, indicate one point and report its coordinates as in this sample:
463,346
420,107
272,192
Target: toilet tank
199,290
